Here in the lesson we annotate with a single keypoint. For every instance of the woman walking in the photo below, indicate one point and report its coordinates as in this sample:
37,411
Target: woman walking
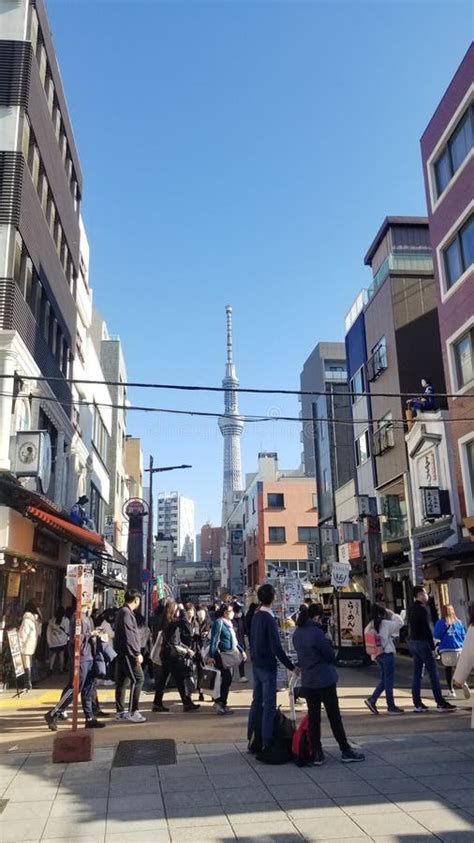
225,652
173,655
387,625
450,633
239,626
316,659
57,636
29,632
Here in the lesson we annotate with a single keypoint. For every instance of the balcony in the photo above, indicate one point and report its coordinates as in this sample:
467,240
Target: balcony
411,262
377,364
383,440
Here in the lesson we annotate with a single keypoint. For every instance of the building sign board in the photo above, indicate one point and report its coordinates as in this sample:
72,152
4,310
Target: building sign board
431,502
15,652
340,574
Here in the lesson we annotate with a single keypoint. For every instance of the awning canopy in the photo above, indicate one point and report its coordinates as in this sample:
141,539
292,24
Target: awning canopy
65,529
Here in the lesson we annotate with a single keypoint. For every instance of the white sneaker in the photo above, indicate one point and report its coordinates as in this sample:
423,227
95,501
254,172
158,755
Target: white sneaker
137,717
243,679
466,691
108,683
122,715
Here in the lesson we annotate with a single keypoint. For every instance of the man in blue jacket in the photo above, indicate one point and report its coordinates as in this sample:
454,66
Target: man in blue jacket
266,651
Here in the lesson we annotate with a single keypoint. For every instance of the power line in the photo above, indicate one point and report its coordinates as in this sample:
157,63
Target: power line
249,390
207,414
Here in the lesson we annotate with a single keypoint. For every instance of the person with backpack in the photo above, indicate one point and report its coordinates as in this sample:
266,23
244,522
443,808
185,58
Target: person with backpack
379,633
421,647
449,633
316,659
266,651
225,653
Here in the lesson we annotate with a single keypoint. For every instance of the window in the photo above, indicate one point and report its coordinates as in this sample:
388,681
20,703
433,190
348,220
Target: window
43,190
459,254
100,437
357,385
456,150
362,448
34,26
276,534
470,465
275,500
307,534
463,351
25,139
383,436
42,61
315,500
34,162
325,480
96,508
377,363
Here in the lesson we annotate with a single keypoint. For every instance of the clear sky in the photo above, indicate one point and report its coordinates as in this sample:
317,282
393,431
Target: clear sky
246,153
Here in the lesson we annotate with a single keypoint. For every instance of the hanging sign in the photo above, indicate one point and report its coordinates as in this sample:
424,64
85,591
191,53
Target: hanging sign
340,574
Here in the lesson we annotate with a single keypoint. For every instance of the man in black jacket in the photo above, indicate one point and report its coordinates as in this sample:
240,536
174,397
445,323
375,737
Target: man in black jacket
422,646
129,672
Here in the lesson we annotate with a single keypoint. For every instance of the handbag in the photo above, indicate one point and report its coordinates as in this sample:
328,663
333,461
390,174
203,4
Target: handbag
449,658
210,682
155,654
230,658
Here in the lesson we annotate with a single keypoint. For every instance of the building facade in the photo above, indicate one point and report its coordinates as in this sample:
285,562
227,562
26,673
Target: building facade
279,520
176,519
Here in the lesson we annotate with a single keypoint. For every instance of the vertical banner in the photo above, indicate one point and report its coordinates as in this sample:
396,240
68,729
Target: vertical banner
374,557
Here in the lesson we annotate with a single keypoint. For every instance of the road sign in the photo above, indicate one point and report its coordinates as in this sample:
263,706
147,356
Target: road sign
146,576
87,590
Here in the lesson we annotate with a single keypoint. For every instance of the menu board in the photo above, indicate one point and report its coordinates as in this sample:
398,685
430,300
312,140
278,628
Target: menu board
14,644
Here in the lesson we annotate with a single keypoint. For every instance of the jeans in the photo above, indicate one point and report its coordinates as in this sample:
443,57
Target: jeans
423,655
386,663
86,684
328,697
129,674
263,706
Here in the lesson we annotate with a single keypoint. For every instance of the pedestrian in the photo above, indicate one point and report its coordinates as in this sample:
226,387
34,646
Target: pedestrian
190,638
28,634
144,633
86,679
248,620
225,652
421,647
449,633
57,636
173,656
129,672
466,659
316,659
265,651
387,625
239,626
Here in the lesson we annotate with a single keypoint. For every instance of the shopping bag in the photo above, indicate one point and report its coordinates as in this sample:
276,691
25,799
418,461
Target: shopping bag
210,681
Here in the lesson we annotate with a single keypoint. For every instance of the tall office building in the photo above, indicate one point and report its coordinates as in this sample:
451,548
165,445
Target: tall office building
176,519
231,427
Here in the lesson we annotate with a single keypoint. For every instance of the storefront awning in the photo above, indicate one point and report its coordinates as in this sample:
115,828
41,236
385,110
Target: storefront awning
65,529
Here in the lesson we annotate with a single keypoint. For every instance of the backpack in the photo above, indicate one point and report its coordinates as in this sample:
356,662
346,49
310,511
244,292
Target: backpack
301,744
373,642
279,752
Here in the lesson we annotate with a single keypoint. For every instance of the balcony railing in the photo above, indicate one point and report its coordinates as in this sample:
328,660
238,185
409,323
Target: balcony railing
377,363
382,439
420,261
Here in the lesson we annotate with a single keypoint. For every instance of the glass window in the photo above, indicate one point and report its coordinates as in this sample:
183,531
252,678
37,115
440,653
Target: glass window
461,142
42,62
25,140
276,534
43,191
362,448
49,91
325,480
307,534
453,262
17,269
467,243
357,385
275,500
470,464
464,359
65,363
34,164
443,171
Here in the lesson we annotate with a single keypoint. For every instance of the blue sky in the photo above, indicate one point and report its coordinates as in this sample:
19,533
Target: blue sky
246,153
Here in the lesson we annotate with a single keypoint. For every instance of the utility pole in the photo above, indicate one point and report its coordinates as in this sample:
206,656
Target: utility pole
149,539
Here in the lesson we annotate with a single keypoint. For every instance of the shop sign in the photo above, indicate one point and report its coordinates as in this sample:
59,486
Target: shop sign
15,652
87,584
313,548
160,586
427,469
431,502
350,622
13,584
109,529
340,574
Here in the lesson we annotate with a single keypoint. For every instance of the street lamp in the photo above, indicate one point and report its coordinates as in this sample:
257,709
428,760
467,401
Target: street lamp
149,539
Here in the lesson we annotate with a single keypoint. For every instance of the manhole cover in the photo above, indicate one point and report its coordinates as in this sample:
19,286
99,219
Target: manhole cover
139,753
3,805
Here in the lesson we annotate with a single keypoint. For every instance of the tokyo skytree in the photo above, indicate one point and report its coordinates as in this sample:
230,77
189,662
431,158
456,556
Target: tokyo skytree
231,427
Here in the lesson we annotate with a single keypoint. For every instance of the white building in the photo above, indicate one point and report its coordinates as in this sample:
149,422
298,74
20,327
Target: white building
176,519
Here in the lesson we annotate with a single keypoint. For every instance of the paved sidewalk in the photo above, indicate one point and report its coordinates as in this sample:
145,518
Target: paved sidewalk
409,789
